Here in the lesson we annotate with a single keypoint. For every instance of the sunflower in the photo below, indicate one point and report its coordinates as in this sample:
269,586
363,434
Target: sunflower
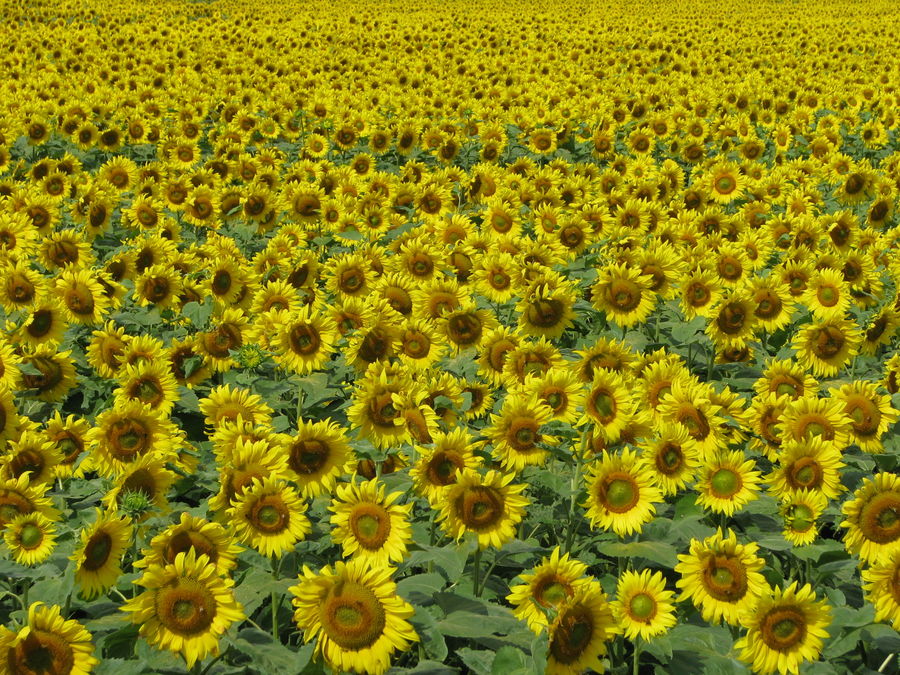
30,537
31,454
18,497
516,432
186,606
248,458
624,294
97,557
870,413
69,436
418,345
318,454
185,362
671,458
722,577
786,378
810,464
224,336
827,346
606,354
305,340
495,276
799,511
228,404
106,349
700,291
785,629
690,405
369,524
643,606
725,182
387,407
348,275
578,635
160,286
46,324
608,406
881,583
48,643
125,433
732,320
148,477
269,516
355,614
561,390
827,295
10,375
55,373
811,417
488,505
546,311
496,347
149,383
727,482
466,326
192,534
621,495
437,466
773,304
81,296
873,518
547,587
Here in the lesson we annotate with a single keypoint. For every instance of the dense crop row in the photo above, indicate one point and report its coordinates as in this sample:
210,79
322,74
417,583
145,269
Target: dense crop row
482,337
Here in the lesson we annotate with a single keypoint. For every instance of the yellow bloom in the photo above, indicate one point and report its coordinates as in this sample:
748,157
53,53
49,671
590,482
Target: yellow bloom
489,506
881,583
721,577
59,645
270,517
579,633
784,630
547,587
872,518
516,432
643,606
317,456
728,481
369,524
98,556
621,493
186,607
31,538
354,614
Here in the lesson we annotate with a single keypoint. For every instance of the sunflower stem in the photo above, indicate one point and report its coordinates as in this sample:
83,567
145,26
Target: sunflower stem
276,600
575,487
886,662
476,574
710,367
635,665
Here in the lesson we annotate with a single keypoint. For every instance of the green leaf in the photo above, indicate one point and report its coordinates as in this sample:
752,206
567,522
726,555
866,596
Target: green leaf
479,662
471,625
267,655
198,313
449,560
429,632
509,660
654,551
420,588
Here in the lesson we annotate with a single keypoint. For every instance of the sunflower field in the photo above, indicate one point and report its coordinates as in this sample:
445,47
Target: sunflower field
428,337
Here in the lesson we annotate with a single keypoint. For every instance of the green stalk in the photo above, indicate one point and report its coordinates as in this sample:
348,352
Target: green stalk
635,667
476,576
575,487
276,600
